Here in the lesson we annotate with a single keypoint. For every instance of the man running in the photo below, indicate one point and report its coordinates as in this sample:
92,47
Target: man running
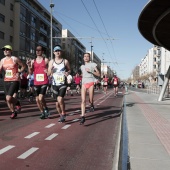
39,67
59,69
11,79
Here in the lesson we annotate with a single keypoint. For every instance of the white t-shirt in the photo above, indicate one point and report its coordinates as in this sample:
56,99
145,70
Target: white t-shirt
86,76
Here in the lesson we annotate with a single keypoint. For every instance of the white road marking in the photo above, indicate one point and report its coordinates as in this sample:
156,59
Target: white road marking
32,135
27,153
75,120
51,136
50,125
77,111
71,114
66,126
6,149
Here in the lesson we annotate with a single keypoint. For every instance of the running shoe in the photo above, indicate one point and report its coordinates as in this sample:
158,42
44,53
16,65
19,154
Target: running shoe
18,108
82,120
92,108
46,113
13,115
62,118
42,116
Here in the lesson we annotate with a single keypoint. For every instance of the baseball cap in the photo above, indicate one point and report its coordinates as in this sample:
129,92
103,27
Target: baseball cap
6,46
57,48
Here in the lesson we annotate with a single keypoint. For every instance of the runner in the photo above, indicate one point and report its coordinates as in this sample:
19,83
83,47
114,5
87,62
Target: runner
23,84
88,71
30,78
105,84
77,80
38,66
11,79
59,69
115,82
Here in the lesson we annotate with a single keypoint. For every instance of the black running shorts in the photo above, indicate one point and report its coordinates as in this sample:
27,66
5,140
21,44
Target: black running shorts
40,89
59,90
11,87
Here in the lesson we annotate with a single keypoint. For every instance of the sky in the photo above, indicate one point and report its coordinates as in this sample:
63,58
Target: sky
110,26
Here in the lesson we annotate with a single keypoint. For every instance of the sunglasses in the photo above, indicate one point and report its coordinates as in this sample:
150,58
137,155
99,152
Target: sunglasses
6,49
57,51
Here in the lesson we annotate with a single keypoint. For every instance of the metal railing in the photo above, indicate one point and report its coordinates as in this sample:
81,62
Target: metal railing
155,89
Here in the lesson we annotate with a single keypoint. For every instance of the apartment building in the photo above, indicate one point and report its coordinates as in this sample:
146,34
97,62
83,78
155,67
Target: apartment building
146,65
73,50
26,24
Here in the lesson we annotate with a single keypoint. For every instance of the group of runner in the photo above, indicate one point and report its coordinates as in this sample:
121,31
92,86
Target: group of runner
105,82
58,69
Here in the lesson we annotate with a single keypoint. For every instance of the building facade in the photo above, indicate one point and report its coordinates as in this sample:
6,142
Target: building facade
73,50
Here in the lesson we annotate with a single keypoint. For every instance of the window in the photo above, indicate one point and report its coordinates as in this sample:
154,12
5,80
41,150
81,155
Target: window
11,23
32,48
33,20
32,34
2,18
22,43
11,7
2,35
22,28
23,13
2,2
11,39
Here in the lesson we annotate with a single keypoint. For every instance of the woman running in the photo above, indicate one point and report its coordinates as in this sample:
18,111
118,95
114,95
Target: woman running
88,70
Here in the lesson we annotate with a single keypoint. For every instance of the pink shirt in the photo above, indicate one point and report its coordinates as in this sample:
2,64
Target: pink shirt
40,76
77,79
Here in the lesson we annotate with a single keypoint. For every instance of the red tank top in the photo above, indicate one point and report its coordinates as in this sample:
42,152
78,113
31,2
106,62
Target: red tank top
11,69
40,76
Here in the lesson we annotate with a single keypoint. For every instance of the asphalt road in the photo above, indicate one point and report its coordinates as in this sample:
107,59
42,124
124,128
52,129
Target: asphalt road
30,143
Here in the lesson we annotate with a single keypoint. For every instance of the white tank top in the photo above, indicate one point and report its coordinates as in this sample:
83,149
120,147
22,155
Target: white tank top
58,73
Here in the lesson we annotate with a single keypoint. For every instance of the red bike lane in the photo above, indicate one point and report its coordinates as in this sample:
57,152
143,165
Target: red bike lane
47,144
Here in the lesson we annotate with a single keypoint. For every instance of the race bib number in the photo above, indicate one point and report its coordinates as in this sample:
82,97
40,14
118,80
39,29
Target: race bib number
8,74
40,77
59,78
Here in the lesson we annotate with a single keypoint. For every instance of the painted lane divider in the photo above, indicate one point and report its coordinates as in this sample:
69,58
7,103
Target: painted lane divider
6,149
75,120
77,111
28,153
32,135
52,136
50,125
66,126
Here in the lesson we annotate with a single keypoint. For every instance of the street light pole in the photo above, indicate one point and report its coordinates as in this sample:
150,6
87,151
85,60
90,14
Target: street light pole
51,6
91,51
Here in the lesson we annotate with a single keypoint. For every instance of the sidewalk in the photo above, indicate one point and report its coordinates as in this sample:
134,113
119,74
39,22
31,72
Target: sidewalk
148,123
